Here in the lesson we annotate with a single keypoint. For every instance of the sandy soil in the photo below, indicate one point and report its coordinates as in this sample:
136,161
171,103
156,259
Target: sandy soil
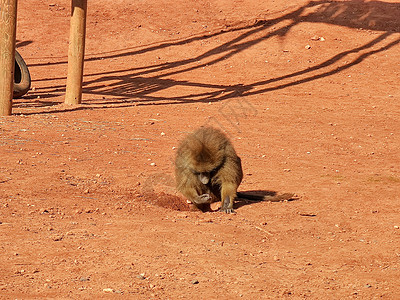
307,91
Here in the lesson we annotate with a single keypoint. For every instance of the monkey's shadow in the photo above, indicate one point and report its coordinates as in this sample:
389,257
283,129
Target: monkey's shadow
255,196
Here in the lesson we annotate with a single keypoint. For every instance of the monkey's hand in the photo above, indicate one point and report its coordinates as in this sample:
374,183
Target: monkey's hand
205,198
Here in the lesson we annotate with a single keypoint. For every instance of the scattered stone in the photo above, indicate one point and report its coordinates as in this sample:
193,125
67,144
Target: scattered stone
58,238
318,38
195,281
83,279
141,276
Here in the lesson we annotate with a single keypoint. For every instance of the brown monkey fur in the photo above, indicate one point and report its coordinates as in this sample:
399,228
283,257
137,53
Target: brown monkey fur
207,169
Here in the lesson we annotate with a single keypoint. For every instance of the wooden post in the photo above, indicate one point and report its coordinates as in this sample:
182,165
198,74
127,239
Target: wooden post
8,25
76,52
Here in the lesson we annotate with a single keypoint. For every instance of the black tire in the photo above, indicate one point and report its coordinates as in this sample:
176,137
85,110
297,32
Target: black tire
22,77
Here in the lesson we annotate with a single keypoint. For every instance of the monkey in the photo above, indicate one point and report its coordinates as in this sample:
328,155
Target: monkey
207,169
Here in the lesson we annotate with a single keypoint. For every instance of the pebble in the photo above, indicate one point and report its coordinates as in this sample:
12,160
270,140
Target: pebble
318,38
82,279
58,238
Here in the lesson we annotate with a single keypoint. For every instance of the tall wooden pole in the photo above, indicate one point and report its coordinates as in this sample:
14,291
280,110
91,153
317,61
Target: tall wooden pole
76,52
8,25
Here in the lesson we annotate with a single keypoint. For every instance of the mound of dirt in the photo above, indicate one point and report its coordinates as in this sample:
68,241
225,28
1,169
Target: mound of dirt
166,201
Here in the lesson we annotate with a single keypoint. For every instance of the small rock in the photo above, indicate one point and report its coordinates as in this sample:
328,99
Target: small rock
141,277
162,133
396,227
318,38
58,238
153,164
108,290
195,281
82,279
307,47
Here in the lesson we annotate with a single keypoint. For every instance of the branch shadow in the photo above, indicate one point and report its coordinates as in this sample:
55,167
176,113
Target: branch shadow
139,86
19,44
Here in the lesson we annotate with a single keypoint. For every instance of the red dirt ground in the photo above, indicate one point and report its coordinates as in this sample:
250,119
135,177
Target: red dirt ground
307,91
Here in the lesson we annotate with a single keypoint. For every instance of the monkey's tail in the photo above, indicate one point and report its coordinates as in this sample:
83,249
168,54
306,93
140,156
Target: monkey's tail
268,196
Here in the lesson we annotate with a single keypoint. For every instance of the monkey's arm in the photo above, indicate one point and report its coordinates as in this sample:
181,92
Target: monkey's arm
190,186
228,195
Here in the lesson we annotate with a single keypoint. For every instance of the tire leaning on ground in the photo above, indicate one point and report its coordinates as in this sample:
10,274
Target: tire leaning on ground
22,77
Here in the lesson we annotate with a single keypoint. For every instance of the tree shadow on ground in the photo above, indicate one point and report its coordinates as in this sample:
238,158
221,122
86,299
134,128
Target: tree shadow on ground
139,86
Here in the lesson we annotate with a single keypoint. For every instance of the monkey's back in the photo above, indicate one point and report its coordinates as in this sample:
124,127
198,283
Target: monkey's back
208,150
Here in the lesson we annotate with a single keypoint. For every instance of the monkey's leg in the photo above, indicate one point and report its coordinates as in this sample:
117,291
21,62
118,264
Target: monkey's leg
228,195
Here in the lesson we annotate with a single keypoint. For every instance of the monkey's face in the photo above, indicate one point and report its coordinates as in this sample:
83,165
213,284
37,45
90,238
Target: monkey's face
204,177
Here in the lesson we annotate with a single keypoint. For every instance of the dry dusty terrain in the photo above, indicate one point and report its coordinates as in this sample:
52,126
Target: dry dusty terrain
307,91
